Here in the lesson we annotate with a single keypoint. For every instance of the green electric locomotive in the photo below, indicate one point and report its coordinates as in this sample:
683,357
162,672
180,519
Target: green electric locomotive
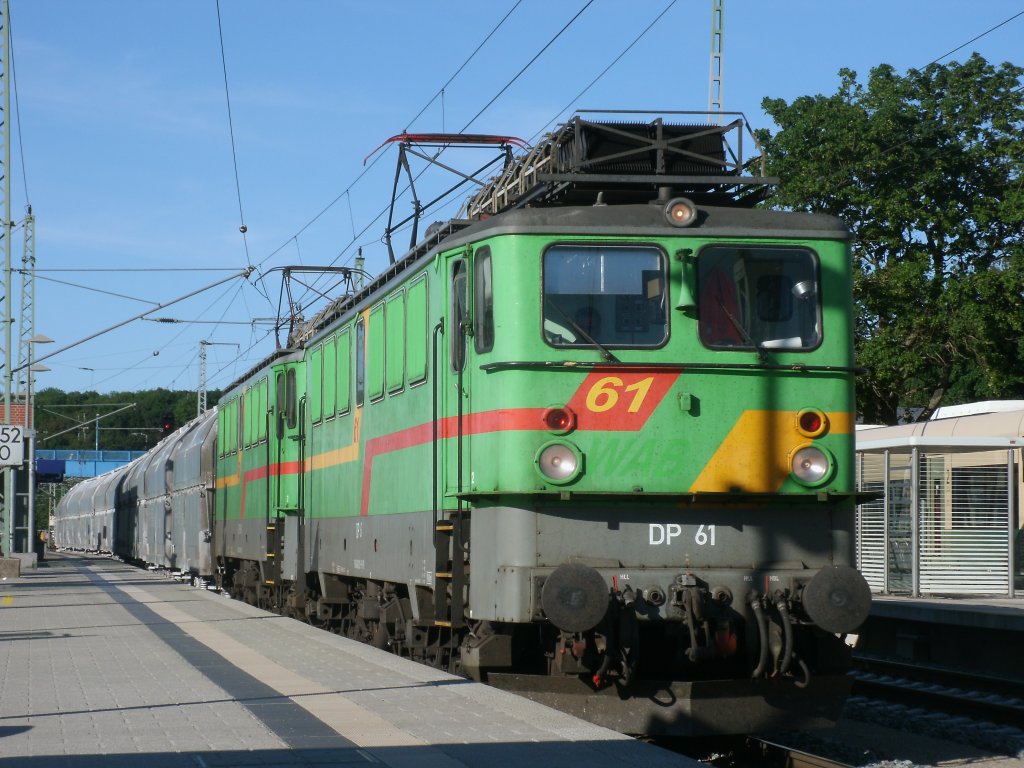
592,441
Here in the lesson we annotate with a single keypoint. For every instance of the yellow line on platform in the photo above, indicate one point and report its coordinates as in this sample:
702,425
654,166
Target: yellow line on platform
355,723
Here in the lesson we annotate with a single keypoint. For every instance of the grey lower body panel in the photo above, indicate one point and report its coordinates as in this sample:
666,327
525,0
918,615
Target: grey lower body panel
397,548
243,539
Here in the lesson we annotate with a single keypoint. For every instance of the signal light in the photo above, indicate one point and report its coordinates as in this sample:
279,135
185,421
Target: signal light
811,423
559,420
167,424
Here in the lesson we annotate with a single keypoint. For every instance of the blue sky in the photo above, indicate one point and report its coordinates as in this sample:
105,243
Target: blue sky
122,120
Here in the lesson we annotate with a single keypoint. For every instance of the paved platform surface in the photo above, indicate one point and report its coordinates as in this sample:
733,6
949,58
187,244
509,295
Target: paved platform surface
980,612
107,666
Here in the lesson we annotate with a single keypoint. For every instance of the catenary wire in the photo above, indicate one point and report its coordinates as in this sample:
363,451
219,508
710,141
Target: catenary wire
376,159
483,42
234,152
240,356
978,37
241,286
238,189
528,64
17,110
94,290
604,71
239,290
137,269
468,124
844,172
626,50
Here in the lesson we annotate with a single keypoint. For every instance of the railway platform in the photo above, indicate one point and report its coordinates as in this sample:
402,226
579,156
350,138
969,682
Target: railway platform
982,612
103,665
980,635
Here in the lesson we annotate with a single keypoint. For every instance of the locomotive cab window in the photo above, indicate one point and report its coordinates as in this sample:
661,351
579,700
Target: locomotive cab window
483,293
459,317
758,298
315,384
281,403
262,411
611,295
292,404
360,361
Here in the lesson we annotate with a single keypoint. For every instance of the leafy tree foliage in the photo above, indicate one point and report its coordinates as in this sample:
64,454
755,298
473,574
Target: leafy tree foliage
135,428
927,170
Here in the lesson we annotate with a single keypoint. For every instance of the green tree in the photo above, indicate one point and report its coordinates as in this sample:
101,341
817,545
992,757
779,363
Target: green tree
67,420
926,169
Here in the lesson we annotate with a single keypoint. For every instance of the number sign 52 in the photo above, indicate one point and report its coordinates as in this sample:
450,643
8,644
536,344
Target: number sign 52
12,445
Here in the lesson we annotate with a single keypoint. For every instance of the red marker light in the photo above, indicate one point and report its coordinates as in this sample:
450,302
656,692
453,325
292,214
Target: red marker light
559,419
811,423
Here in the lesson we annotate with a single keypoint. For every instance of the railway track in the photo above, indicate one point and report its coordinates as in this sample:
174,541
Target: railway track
946,705
954,705
747,752
994,699
769,754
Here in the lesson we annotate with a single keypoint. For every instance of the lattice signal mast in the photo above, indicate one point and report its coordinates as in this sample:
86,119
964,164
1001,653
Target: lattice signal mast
6,290
716,72
27,321
201,389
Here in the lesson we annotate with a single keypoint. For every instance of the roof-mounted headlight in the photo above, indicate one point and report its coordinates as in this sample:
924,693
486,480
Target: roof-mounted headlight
680,212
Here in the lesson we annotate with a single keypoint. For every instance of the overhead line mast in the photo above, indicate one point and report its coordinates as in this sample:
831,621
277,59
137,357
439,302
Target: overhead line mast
201,389
5,233
27,321
716,72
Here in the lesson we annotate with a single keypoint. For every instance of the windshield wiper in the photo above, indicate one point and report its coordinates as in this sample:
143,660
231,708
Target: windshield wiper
586,336
762,355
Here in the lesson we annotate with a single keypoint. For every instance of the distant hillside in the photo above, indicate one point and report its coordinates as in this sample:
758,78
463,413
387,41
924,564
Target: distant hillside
137,428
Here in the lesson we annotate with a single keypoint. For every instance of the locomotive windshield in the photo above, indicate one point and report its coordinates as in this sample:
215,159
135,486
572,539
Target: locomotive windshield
611,296
763,298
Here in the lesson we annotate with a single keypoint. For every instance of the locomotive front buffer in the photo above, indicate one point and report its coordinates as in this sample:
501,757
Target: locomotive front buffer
613,624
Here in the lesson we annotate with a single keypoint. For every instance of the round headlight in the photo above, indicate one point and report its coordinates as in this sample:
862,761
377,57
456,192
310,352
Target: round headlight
559,462
680,212
811,465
